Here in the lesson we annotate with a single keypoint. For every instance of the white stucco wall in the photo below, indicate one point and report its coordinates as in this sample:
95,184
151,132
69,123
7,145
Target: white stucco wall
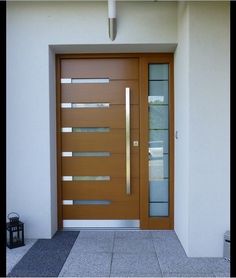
36,30
181,96
202,186
209,103
31,28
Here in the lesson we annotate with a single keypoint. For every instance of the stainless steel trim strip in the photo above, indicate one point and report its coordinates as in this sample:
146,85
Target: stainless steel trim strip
65,80
66,154
66,129
67,178
127,131
135,223
67,202
66,105
84,80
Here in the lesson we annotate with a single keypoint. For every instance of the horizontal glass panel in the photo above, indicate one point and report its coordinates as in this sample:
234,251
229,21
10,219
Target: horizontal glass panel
85,129
159,191
158,92
84,80
159,209
158,167
159,139
86,178
155,150
158,71
91,178
90,80
85,154
158,117
85,105
91,202
90,129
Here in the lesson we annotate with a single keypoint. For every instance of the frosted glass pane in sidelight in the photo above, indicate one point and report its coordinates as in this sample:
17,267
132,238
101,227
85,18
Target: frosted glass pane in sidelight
158,92
158,117
159,209
158,191
158,71
159,138
158,167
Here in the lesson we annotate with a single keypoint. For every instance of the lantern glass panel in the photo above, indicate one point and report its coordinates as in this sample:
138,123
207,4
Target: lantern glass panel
15,235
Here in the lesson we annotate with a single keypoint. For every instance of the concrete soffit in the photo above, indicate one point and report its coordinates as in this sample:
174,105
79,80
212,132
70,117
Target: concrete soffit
113,48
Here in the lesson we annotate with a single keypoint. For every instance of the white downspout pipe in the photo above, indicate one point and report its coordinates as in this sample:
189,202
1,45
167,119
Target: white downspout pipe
112,19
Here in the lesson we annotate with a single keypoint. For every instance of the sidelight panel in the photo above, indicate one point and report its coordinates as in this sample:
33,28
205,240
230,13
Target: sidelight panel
158,107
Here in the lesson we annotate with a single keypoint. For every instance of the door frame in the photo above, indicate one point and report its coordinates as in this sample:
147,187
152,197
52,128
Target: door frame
146,222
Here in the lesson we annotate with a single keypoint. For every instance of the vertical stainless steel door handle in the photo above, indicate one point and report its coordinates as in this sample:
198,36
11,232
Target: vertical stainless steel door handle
127,133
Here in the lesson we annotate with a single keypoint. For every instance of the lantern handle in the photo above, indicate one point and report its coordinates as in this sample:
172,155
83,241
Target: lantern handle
13,213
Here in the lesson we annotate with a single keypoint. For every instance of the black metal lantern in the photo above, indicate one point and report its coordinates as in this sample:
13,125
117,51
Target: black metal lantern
15,231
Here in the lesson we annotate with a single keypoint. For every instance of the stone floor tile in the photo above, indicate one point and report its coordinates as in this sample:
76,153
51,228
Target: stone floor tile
194,266
135,265
133,245
169,248
92,245
97,234
164,234
220,274
175,265
87,265
133,234
217,265
188,275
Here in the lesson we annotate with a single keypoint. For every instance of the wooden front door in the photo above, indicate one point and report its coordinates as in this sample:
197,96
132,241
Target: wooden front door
115,126
99,141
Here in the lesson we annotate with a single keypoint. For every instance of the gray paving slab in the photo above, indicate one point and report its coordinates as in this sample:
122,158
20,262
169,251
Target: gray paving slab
133,234
87,265
194,266
135,265
164,234
93,245
188,275
217,265
133,245
119,254
169,248
220,274
105,235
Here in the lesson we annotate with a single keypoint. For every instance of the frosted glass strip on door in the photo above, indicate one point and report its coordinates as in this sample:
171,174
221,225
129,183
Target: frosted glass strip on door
85,154
86,178
85,129
85,105
158,102
86,202
84,80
